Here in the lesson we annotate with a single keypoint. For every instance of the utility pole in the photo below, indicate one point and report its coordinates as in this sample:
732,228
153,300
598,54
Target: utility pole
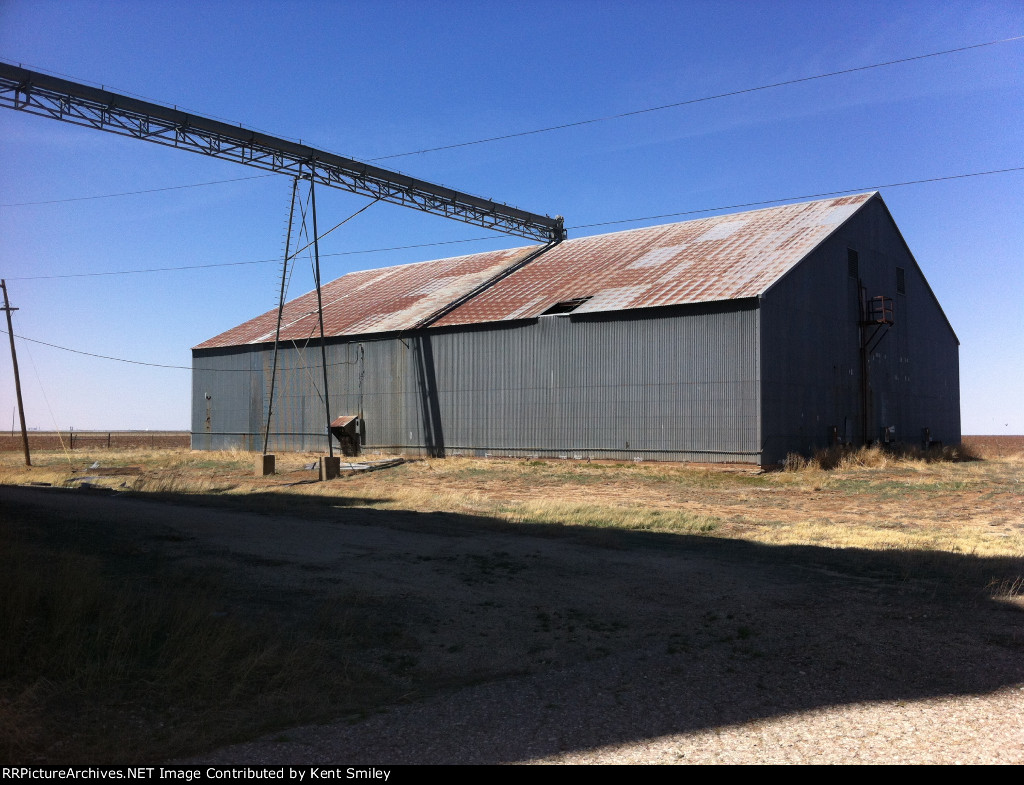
17,379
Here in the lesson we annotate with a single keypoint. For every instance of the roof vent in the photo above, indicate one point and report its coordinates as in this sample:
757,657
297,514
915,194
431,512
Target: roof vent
566,306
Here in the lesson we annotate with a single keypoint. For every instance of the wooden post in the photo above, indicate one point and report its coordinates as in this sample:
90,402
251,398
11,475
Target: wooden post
17,379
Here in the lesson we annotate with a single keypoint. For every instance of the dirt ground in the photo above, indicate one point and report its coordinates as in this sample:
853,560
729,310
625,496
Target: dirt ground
500,632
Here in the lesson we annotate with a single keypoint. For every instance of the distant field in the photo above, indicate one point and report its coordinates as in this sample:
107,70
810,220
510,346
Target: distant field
50,440
994,446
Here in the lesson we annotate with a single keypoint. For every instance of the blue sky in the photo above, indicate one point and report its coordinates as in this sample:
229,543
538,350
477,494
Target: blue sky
373,79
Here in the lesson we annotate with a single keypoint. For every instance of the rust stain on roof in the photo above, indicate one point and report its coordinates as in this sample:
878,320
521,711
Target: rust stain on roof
722,257
374,301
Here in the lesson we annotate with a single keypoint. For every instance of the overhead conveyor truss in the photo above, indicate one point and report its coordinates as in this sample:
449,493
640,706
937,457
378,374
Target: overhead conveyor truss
60,99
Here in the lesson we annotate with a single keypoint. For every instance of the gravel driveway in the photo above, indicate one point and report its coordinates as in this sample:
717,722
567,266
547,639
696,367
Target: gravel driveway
540,644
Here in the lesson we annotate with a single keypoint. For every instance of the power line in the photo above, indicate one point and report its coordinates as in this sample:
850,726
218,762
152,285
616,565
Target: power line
134,272
581,226
58,99
690,101
236,264
502,237
804,196
100,356
157,365
537,130
135,193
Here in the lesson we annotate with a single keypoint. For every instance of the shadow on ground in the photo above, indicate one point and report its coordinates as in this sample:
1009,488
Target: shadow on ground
509,642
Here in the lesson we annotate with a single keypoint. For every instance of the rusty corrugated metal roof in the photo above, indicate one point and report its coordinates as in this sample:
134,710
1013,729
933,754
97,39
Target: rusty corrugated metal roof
723,257
375,301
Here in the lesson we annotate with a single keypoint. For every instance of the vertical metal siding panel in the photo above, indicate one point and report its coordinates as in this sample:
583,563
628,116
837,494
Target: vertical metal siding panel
200,383
257,401
926,373
225,377
292,377
682,387
674,387
811,346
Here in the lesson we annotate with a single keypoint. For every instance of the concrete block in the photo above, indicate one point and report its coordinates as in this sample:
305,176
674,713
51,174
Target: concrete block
330,467
265,464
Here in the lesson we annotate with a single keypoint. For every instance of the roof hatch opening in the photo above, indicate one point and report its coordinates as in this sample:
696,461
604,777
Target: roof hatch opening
566,306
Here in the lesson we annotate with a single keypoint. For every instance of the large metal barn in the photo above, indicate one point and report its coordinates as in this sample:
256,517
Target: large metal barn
735,338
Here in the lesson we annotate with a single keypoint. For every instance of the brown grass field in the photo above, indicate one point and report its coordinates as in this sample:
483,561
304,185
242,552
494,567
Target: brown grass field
870,499
114,644
78,440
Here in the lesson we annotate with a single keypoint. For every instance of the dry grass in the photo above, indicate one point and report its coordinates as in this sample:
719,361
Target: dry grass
877,457
947,500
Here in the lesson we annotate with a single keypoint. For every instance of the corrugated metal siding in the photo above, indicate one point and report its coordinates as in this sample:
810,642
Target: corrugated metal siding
660,385
221,389
810,347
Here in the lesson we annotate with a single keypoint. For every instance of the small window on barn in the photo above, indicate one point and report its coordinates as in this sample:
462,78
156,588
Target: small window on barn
901,281
566,306
852,263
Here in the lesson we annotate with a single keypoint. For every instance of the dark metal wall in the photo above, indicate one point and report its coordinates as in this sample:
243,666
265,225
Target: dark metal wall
810,347
671,384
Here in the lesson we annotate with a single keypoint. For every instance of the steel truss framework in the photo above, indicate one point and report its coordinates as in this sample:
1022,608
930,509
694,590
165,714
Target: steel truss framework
60,99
